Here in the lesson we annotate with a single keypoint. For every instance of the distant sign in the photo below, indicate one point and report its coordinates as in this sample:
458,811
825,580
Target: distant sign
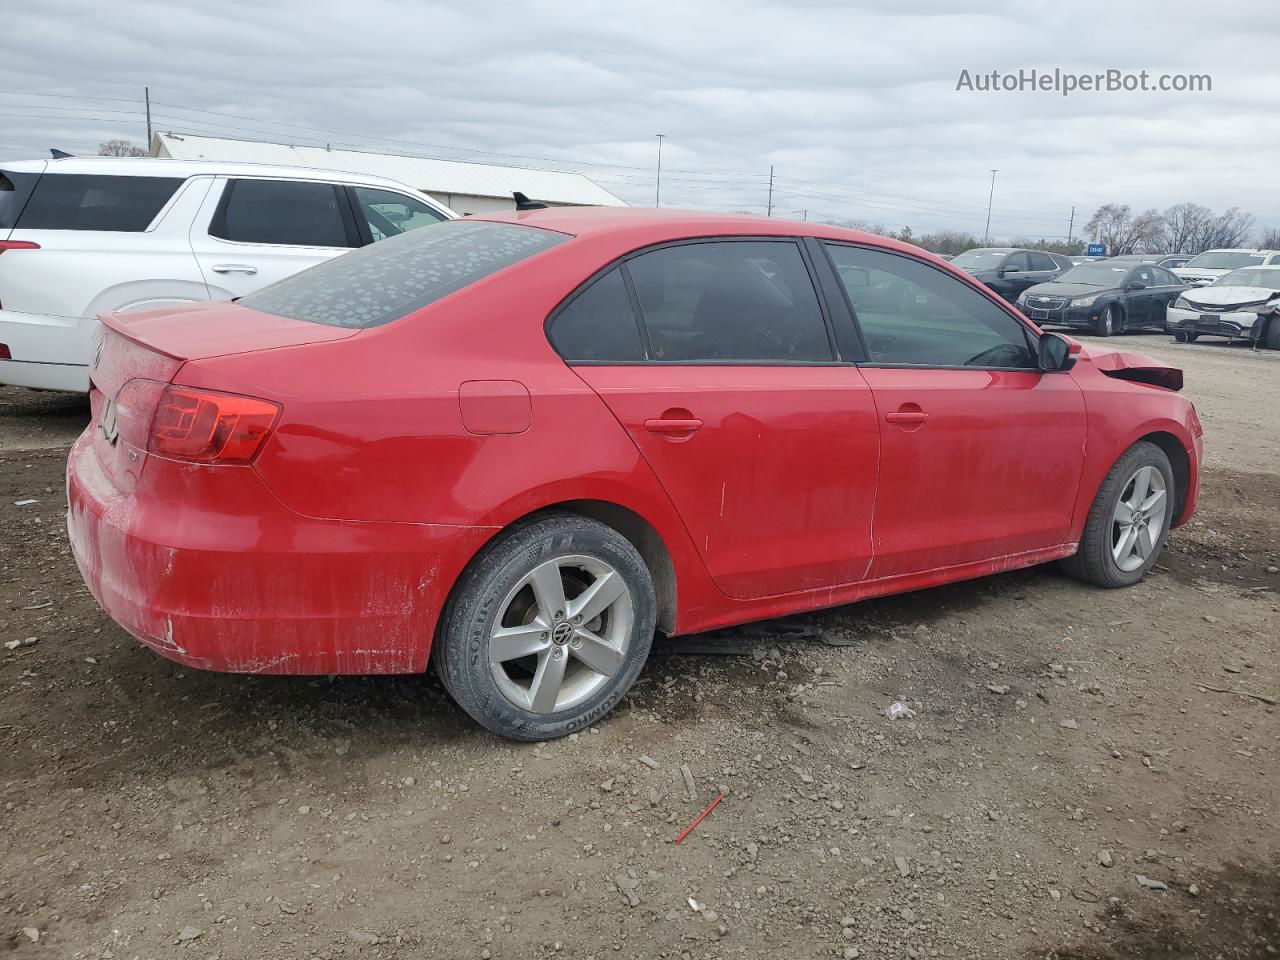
1096,250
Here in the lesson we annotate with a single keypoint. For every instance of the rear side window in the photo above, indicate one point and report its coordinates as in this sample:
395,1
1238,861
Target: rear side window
284,212
67,201
1042,261
388,280
598,324
14,190
730,301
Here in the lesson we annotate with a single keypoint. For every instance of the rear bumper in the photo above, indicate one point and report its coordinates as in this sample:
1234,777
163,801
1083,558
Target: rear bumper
206,567
49,353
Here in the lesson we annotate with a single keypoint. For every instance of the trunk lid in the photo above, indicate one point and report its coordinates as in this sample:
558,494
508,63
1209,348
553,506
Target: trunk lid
205,330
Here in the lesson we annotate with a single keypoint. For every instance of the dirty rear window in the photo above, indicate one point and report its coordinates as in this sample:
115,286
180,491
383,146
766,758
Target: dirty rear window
14,190
390,279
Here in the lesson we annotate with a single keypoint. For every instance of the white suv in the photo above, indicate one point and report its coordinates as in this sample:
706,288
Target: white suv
83,236
1207,267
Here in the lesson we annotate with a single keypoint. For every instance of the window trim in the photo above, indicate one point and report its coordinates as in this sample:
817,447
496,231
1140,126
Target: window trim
638,314
219,219
1031,333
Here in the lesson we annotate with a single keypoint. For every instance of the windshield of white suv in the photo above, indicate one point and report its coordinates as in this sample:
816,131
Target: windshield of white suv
1223,260
1250,277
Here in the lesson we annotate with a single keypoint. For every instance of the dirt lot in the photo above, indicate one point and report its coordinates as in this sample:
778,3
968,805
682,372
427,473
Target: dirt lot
1066,741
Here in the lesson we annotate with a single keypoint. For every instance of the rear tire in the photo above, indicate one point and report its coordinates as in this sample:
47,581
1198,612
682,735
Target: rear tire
1128,520
528,645
1271,338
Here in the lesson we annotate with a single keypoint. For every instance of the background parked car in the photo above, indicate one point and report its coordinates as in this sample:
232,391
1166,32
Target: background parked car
1207,267
1175,260
1008,271
1242,303
1106,297
83,236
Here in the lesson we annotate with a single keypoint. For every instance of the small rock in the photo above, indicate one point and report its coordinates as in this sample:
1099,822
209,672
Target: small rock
1084,895
1210,618
1055,895
1069,724
1106,859
904,868
899,711
907,914
445,838
649,762
999,688
1273,569
1193,890
851,953
362,937
1057,668
1150,884
710,916
32,934
187,934
304,810
1178,826
1233,668
1077,814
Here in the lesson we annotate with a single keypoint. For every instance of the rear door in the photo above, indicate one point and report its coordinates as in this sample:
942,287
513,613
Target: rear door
252,232
1141,301
718,358
980,452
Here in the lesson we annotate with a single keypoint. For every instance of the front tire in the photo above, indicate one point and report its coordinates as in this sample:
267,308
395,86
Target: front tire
1271,338
548,628
1128,521
1108,323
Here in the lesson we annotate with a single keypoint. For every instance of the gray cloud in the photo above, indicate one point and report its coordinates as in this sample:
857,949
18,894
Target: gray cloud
854,106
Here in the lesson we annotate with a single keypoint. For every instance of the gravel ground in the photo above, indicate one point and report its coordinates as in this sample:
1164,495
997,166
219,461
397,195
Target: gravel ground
1067,745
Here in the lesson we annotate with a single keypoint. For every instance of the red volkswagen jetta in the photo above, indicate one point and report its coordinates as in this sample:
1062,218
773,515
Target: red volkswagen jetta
525,442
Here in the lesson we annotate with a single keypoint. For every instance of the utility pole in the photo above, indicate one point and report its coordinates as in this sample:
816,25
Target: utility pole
986,235
1071,224
657,190
769,208
146,91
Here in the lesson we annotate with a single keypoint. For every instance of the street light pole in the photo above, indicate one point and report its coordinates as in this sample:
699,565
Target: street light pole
986,235
657,190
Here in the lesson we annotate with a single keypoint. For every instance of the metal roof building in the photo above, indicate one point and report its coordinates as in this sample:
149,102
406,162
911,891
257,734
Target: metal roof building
463,186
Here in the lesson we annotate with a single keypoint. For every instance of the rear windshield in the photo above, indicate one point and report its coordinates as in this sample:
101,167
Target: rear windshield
390,279
69,201
14,190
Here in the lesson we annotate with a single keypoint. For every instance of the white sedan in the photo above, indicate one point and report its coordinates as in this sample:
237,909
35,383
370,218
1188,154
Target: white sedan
1243,303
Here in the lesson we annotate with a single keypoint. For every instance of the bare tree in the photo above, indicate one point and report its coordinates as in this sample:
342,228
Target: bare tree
120,148
1185,225
1124,232
1229,229
1270,239
950,242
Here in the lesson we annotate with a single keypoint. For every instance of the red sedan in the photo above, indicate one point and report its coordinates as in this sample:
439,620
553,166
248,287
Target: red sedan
525,442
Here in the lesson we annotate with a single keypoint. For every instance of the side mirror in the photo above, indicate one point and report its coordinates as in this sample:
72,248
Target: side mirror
1005,271
1135,285
1054,352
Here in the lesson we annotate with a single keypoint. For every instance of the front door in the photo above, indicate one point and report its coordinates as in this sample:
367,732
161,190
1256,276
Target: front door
766,445
980,452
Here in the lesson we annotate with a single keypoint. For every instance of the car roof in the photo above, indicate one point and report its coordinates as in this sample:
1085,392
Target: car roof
648,226
1236,250
165,167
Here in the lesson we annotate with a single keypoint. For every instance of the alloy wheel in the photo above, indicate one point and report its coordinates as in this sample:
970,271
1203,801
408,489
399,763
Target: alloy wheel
1139,519
561,633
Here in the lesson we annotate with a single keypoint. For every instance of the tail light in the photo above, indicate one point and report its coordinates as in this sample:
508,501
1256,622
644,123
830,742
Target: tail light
205,426
4,352
18,245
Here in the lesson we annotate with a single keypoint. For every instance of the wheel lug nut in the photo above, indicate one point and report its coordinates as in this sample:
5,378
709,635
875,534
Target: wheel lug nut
543,635
559,614
557,653
577,619
575,643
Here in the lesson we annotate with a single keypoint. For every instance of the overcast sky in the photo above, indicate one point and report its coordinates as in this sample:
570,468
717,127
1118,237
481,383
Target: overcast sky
856,108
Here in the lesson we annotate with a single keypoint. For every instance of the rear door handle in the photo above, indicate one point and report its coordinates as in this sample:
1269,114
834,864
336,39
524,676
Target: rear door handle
908,413
669,425
235,268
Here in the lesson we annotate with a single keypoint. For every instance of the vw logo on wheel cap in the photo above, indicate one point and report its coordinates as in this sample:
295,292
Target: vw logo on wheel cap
562,632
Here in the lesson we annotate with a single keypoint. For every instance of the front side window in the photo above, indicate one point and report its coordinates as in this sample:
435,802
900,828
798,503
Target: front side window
294,213
389,280
68,201
913,314
598,324
730,301
389,214
1019,261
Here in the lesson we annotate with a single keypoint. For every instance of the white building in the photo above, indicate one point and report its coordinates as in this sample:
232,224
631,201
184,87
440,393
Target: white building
460,185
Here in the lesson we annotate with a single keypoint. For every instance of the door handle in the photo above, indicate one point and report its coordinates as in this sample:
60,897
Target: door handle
235,268
909,414
672,425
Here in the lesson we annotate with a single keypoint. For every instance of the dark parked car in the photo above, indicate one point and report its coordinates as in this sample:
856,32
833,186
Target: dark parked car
1106,297
1009,271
